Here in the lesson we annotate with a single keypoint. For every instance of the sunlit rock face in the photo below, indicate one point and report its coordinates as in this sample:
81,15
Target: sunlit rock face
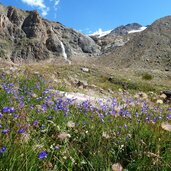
25,35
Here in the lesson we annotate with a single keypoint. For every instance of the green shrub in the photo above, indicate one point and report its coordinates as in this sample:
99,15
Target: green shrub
147,76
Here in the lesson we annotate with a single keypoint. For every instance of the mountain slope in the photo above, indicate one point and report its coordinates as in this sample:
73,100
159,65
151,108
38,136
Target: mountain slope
117,37
149,49
24,35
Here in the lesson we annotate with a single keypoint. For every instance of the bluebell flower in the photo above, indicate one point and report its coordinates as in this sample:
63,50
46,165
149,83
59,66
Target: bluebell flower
154,120
21,130
169,116
15,116
50,117
35,123
6,109
1,115
57,148
160,118
12,109
43,127
2,150
42,155
5,131
125,126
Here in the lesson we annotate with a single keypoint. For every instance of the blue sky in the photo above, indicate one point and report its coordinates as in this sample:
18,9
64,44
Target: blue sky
90,15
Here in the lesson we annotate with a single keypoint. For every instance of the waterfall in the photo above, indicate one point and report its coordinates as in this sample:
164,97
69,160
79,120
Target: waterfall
64,53
62,46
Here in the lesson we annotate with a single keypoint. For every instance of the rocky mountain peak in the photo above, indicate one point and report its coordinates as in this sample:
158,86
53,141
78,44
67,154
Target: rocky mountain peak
124,29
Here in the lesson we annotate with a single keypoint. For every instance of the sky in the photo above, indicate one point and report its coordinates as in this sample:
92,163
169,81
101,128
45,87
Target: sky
88,16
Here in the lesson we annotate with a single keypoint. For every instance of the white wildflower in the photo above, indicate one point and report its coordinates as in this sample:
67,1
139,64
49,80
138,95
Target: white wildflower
34,95
63,136
70,124
105,135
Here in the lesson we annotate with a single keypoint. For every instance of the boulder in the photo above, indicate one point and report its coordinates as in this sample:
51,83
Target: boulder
167,93
168,96
85,69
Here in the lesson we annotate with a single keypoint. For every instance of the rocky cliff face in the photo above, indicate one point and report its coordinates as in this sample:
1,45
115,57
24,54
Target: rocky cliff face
24,35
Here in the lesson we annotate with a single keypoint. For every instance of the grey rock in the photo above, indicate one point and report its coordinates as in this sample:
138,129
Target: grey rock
168,96
82,84
167,93
53,44
85,69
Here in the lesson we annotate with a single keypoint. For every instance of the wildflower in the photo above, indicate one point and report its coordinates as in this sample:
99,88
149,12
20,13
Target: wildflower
21,130
50,117
105,135
125,126
169,116
6,109
57,147
5,131
70,124
40,108
35,123
50,103
154,120
43,127
42,155
166,126
117,167
12,109
63,136
15,116
34,95
1,115
2,150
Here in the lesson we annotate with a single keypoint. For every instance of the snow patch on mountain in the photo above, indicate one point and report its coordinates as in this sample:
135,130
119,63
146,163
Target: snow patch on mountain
136,31
100,33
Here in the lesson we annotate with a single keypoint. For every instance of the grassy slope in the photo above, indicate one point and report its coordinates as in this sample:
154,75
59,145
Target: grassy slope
128,133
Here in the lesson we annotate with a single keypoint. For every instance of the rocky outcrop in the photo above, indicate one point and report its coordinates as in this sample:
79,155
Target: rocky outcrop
25,36
33,26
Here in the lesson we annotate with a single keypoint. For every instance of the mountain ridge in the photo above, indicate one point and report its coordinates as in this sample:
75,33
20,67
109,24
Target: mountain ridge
149,49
